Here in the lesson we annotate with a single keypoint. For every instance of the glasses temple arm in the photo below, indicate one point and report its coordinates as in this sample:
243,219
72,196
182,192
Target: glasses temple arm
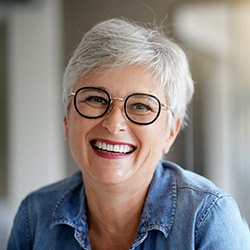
168,108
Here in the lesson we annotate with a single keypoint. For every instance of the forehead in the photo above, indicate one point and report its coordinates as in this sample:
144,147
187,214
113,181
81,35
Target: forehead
122,81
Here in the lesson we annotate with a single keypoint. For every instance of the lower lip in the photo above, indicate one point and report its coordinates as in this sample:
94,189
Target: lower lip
111,156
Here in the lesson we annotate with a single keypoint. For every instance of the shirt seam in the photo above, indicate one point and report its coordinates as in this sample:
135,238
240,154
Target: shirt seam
207,211
216,194
28,221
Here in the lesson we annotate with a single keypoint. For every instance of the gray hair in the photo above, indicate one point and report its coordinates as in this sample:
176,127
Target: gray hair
117,43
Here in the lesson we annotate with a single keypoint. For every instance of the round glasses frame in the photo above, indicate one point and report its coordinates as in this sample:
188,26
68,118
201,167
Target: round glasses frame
110,106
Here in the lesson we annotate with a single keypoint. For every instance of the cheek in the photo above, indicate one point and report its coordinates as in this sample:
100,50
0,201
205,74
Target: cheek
66,128
75,143
79,146
154,141
75,135
160,144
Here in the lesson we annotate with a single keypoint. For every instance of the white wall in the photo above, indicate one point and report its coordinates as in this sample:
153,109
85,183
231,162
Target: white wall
35,139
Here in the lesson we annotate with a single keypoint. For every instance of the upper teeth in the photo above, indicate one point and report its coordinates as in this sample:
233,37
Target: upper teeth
114,148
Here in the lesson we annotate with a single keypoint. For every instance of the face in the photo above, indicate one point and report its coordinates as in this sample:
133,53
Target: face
93,141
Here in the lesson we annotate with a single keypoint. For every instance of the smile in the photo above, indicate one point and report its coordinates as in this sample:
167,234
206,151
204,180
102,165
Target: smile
112,148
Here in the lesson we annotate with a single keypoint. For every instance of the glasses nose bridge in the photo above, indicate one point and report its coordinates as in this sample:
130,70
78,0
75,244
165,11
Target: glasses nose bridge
115,98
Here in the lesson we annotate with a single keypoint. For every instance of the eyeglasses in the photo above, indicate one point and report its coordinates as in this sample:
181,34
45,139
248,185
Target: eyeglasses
139,108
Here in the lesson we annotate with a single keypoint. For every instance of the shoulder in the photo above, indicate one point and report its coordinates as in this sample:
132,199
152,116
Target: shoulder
55,190
205,210
36,211
190,181
48,196
65,184
194,194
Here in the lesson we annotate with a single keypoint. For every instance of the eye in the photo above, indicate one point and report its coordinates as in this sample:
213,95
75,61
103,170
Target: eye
140,107
96,100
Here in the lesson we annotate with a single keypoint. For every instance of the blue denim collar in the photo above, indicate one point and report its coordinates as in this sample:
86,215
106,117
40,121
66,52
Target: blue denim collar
71,208
158,215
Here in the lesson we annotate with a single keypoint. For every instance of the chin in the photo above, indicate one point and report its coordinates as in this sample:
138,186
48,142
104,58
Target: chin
111,178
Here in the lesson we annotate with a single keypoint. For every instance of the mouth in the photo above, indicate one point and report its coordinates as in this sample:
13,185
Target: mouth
112,148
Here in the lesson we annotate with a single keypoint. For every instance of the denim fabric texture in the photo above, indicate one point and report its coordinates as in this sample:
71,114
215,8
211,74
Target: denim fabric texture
182,211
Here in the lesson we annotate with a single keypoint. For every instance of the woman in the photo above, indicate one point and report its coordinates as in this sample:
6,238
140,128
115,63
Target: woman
126,91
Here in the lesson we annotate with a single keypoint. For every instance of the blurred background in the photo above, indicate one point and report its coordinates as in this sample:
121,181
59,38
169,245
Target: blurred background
37,38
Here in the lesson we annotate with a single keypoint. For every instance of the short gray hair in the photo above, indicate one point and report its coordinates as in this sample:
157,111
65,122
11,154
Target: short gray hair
119,42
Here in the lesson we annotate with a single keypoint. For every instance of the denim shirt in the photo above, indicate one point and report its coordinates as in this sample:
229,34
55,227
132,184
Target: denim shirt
182,211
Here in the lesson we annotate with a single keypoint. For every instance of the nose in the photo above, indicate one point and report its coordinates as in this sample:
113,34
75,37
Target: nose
115,121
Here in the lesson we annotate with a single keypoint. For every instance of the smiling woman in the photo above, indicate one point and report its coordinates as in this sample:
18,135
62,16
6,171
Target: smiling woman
126,91
115,124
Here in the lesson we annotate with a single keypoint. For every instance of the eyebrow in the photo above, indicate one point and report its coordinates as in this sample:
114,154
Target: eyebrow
107,90
112,96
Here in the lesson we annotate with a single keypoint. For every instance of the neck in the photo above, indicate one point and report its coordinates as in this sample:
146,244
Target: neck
114,203
114,212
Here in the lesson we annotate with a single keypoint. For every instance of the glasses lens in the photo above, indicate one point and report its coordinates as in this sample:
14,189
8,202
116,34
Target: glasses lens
142,108
91,102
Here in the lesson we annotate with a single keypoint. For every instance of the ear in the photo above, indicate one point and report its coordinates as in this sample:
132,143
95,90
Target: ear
66,128
171,135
